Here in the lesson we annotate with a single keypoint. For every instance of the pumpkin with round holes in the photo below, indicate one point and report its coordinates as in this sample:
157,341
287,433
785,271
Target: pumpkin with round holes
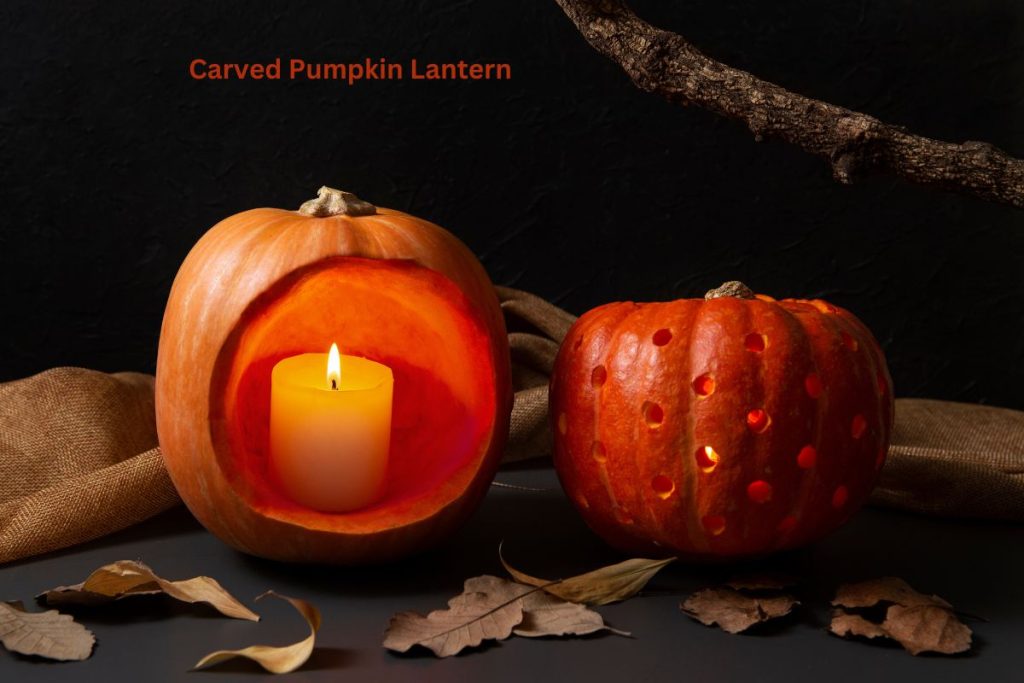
267,284
716,428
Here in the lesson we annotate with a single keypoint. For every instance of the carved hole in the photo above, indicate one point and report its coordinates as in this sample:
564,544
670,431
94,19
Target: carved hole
598,376
858,426
714,524
661,337
848,341
578,344
582,501
840,497
562,424
758,420
622,517
663,486
807,456
707,459
598,452
759,491
704,385
812,385
653,414
755,342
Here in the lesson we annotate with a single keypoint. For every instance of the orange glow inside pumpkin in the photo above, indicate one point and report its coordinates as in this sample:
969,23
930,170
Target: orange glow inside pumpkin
410,318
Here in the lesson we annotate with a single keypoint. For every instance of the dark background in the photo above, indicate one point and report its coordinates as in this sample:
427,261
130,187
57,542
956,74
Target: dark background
567,181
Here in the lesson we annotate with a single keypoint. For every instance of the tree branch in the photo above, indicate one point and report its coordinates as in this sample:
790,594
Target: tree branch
855,144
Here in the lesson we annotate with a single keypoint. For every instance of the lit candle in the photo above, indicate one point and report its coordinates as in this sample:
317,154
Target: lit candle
330,428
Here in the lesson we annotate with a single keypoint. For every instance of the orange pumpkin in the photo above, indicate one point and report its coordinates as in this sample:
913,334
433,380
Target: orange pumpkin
722,427
266,284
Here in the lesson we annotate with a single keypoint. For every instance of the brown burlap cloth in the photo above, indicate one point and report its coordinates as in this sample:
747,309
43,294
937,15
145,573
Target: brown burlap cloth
79,456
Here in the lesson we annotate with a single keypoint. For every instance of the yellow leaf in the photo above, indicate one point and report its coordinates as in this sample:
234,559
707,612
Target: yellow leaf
276,660
599,587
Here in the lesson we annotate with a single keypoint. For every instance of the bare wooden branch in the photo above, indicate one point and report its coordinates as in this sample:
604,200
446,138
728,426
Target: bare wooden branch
855,144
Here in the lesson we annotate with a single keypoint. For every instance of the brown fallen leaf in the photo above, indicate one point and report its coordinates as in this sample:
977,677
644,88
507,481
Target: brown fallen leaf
276,660
734,611
491,608
47,634
546,615
599,587
128,578
918,622
885,589
850,624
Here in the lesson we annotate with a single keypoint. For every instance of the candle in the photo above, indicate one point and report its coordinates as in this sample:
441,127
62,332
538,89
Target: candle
330,429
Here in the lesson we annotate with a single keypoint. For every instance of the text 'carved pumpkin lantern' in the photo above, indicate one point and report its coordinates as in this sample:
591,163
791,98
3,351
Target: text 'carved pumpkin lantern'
724,427
395,292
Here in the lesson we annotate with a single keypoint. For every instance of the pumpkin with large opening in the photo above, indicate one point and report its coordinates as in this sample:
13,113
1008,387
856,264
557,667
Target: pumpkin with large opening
268,284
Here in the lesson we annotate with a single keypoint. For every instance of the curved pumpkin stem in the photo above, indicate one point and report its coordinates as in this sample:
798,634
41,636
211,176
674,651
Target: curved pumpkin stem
734,288
332,202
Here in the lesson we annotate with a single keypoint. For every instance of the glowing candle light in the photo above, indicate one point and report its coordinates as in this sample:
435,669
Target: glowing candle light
330,432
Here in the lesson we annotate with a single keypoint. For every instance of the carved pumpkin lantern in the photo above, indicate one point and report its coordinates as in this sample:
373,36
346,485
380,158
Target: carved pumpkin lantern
394,292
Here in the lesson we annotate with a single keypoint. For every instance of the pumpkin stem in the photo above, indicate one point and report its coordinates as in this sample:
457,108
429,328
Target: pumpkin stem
735,289
331,202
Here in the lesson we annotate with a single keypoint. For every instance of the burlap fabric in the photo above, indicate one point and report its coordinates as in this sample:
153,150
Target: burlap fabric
78,459
79,456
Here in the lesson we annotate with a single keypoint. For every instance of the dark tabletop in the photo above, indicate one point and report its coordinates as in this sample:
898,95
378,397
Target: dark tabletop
977,566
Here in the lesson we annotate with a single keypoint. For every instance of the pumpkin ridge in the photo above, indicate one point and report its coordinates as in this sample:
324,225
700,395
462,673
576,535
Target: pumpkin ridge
807,477
688,442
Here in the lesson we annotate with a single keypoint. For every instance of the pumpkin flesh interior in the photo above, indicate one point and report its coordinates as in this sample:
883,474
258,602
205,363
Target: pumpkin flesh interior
410,318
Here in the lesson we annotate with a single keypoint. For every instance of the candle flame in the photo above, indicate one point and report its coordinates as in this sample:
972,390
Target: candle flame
334,367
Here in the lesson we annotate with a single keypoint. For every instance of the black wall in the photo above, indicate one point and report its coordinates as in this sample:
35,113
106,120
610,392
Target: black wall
566,180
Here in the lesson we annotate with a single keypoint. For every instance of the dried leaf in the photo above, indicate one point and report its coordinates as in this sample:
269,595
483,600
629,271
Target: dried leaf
546,615
276,660
850,624
488,609
927,628
491,608
918,622
47,634
599,587
886,589
734,611
128,578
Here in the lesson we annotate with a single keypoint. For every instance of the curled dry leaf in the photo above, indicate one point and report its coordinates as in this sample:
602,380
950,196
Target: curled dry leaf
276,660
735,611
918,622
490,608
128,578
47,634
599,587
